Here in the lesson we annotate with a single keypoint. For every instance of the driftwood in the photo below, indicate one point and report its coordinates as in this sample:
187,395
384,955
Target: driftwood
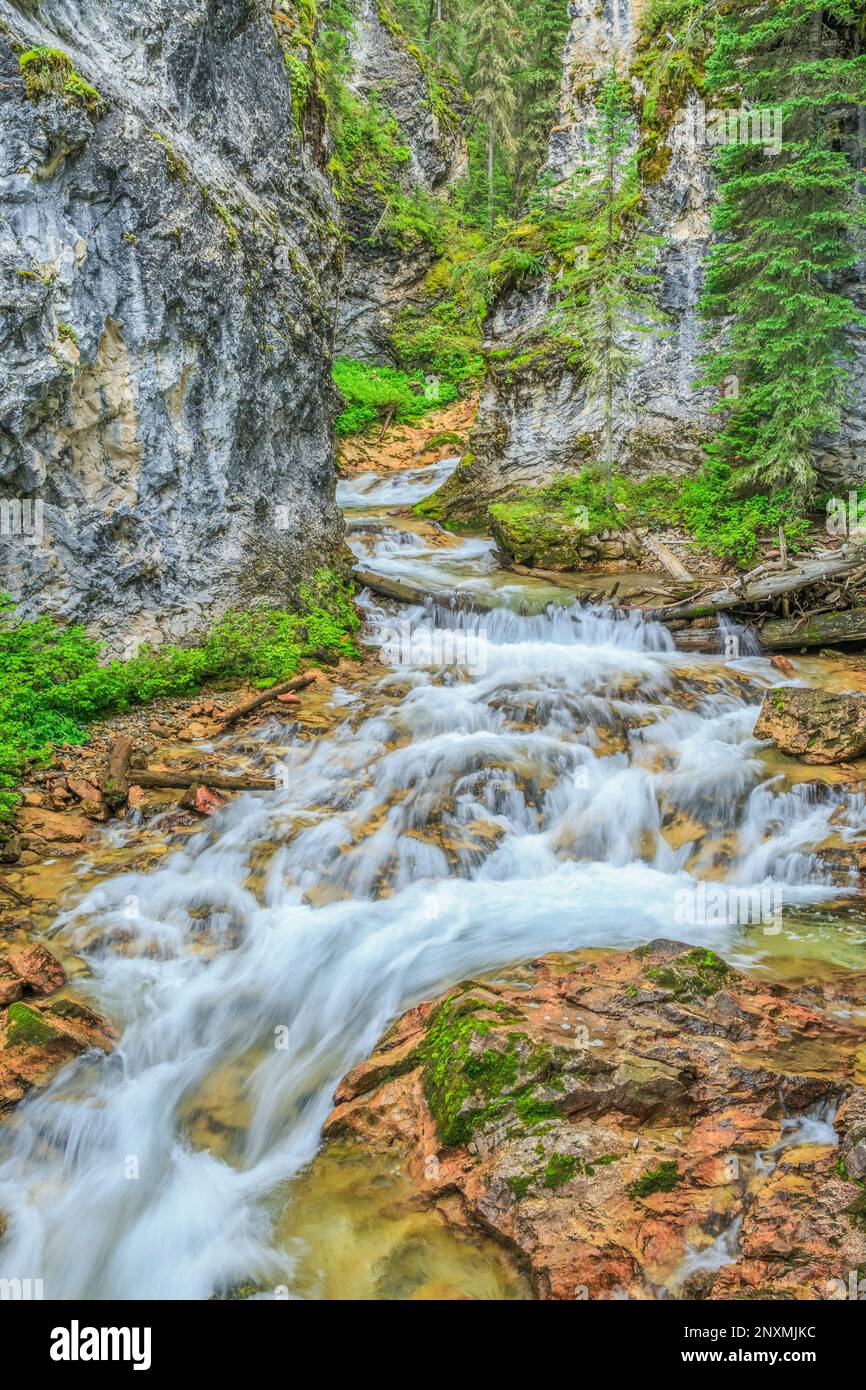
13,893
763,590
297,683
153,777
403,592
784,634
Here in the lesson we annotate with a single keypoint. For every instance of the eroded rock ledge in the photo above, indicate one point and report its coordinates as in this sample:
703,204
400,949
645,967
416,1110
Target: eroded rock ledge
643,1126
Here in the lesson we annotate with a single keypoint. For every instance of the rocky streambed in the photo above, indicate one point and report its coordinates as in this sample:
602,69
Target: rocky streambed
564,963
641,1125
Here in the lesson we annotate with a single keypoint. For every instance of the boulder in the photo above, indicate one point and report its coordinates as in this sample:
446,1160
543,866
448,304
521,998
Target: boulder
814,725
615,1125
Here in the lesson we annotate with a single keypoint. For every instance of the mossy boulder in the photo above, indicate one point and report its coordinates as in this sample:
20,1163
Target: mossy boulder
26,1027
543,536
814,725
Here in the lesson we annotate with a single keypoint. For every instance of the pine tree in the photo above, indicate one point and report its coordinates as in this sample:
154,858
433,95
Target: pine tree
786,223
543,29
608,291
493,27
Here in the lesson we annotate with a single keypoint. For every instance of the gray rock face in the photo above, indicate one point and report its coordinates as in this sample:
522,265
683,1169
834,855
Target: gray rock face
380,279
167,275
536,421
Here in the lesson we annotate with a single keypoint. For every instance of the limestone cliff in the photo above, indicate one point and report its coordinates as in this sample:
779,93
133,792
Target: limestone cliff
381,276
535,418
168,267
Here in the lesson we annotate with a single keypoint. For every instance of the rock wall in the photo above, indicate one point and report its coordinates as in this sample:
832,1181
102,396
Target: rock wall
535,420
379,277
168,269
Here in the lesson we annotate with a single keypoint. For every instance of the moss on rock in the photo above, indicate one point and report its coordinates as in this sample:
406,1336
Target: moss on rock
26,1027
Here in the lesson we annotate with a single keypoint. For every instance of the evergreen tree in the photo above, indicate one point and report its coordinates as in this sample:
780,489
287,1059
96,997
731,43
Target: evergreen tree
786,220
493,28
543,29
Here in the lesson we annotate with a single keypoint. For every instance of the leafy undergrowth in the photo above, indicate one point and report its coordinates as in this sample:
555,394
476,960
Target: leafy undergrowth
54,683
377,394
705,506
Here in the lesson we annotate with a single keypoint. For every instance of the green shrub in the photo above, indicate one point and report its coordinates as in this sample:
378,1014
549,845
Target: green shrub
383,393
54,684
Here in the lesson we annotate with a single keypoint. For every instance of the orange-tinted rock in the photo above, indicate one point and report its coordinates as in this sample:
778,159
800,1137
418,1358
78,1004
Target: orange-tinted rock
36,1040
38,969
616,1124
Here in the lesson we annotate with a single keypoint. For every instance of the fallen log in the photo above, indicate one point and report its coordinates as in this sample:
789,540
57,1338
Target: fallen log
814,630
762,590
675,568
297,683
403,592
154,777
708,640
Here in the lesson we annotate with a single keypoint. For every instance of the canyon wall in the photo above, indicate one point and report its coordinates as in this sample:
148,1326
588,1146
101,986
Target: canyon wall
382,277
535,418
169,256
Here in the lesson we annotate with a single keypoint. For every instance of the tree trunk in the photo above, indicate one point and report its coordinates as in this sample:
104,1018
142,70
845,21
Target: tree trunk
203,778
814,630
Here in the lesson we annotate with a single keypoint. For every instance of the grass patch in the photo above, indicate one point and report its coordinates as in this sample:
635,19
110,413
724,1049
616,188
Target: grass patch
55,684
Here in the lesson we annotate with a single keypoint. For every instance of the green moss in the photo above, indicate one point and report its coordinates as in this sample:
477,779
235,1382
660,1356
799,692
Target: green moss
544,521
560,1170
441,441
857,1212
174,165
521,1185
476,1071
26,1027
66,333
664,1178
49,72
697,975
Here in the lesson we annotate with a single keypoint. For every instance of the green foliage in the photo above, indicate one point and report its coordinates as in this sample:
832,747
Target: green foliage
54,683
49,72
374,394
785,224
705,506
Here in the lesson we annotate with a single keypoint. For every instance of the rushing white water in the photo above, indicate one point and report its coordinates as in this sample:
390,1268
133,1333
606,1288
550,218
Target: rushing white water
509,789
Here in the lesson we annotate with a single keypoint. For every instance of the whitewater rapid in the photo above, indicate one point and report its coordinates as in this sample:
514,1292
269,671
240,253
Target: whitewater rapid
504,789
